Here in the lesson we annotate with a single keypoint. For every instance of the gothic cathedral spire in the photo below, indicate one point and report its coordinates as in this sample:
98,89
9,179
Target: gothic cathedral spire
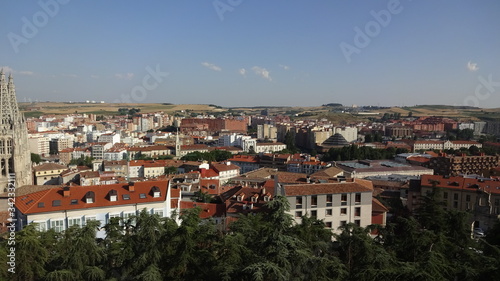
15,159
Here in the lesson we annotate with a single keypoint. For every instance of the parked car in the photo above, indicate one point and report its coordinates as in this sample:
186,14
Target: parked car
478,232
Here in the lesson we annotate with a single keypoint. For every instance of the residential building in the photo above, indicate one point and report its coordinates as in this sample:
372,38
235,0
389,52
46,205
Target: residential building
337,204
48,173
63,207
478,196
269,147
462,165
246,163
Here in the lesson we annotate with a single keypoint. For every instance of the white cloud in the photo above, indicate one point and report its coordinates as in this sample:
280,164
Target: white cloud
211,66
126,76
262,72
472,66
7,70
285,67
25,72
242,71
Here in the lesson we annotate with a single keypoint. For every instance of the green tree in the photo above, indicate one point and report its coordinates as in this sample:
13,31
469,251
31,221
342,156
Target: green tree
36,158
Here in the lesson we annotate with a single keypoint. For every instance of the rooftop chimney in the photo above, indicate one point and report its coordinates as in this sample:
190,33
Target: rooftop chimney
66,192
131,186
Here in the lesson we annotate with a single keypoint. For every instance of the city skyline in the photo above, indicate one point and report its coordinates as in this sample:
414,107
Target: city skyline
247,53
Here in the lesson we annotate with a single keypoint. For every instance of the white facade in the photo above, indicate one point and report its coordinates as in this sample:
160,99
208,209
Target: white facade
269,147
112,138
349,133
38,144
336,208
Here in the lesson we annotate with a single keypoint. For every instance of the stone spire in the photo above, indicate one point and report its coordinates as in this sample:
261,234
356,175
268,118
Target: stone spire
15,160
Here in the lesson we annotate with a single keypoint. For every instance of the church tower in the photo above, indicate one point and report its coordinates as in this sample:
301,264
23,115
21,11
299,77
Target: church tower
15,158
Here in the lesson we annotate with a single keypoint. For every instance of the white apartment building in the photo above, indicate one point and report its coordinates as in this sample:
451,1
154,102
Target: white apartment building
269,147
38,144
337,204
112,138
349,133
61,208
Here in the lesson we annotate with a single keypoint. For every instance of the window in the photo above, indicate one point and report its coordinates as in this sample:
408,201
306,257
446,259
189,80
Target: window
467,198
298,214
357,222
74,201
328,224
126,197
298,202
343,211
142,195
455,196
328,212
89,197
343,198
112,216
89,218
455,204
314,214
129,216
329,199
357,211
445,195
357,198
57,225
41,205
156,191
159,212
314,201
113,195
41,225
74,221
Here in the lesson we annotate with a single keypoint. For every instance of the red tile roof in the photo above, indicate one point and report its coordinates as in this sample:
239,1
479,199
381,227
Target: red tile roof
29,204
461,183
223,167
208,210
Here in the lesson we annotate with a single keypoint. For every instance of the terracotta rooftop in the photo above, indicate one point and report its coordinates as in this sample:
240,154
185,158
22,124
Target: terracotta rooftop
49,167
53,199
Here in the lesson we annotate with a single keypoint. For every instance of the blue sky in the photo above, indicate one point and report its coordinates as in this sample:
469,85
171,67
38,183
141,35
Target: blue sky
247,53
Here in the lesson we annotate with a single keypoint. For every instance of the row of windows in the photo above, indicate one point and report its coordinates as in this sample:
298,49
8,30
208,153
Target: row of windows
329,200
328,224
329,212
59,224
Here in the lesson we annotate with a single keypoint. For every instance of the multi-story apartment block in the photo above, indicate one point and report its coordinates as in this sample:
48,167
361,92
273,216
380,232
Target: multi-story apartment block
111,137
38,144
457,165
226,171
269,147
337,204
247,163
478,196
61,208
267,131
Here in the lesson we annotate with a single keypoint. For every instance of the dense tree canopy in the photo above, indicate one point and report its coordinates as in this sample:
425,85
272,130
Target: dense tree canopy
214,155
354,152
433,245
